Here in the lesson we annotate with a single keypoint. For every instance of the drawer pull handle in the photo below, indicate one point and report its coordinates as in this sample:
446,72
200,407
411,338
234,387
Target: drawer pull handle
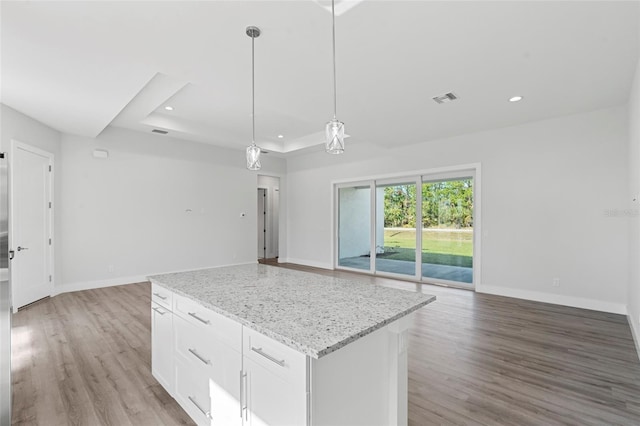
160,296
193,351
193,401
202,320
259,351
159,311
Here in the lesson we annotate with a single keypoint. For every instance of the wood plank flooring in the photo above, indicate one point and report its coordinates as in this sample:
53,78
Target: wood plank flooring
84,359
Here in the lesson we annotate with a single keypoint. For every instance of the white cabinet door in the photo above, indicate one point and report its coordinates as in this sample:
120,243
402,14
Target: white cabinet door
224,387
162,347
270,400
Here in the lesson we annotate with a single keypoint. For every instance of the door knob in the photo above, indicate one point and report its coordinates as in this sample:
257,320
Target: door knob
22,248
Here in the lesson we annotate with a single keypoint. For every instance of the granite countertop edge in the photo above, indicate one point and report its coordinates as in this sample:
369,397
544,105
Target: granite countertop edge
369,330
300,347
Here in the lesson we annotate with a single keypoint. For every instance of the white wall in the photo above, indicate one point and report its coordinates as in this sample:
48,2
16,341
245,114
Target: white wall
550,190
634,208
15,125
156,205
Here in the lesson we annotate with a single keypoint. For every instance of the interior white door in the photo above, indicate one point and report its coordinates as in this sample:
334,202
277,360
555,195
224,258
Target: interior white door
31,213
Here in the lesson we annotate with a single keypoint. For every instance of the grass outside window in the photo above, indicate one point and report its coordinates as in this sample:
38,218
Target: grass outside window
439,246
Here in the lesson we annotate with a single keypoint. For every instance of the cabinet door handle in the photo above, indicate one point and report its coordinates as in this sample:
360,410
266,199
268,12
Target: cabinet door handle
259,351
159,311
202,320
193,351
206,413
243,392
160,296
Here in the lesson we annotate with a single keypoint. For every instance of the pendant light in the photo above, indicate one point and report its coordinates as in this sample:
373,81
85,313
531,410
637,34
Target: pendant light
253,150
335,129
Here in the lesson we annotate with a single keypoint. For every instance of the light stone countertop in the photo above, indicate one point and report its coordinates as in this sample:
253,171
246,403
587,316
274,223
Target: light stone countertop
312,313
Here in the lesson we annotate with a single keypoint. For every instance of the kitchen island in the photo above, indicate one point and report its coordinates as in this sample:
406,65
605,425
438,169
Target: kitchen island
257,344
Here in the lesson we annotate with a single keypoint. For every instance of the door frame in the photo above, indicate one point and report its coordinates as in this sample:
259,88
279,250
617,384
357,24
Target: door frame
277,236
16,145
265,214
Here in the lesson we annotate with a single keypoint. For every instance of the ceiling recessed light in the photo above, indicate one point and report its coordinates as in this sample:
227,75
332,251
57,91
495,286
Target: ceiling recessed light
515,99
168,108
280,136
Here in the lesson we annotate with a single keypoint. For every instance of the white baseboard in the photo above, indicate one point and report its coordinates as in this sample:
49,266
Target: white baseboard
556,299
88,285
635,331
254,262
306,263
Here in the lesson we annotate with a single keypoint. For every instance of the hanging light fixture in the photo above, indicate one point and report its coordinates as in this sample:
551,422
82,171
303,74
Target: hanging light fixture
335,129
253,150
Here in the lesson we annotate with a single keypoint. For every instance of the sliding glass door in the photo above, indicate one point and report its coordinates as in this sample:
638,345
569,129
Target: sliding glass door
354,227
396,228
414,226
447,230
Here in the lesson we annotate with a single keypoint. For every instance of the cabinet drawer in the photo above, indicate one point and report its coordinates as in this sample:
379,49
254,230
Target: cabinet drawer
162,296
198,348
192,392
211,324
276,357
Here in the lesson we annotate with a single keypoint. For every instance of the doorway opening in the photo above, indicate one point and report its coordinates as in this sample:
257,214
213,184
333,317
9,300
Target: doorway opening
268,218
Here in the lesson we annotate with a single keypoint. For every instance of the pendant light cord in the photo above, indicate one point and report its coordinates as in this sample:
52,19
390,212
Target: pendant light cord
335,90
253,93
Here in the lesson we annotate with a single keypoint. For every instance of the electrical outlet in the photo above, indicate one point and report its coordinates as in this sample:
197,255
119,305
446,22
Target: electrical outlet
111,269
556,282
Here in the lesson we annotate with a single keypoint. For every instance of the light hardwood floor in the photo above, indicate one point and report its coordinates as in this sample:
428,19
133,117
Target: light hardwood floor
84,359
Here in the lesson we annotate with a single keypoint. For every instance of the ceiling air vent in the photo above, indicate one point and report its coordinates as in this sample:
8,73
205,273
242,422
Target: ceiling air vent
162,132
447,97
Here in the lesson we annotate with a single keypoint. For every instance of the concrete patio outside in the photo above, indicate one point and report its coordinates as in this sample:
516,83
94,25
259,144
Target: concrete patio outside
442,272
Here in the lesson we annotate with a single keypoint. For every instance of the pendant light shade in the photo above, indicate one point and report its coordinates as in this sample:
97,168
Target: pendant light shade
334,143
253,150
335,137
253,157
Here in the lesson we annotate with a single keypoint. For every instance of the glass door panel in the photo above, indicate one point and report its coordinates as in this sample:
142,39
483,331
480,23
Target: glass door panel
447,230
396,228
354,227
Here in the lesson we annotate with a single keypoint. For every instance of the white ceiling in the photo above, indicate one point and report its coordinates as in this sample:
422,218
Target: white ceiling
82,66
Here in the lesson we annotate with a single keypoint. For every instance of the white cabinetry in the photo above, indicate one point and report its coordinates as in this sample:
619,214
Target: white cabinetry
275,388
162,356
224,389
208,352
192,392
223,373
